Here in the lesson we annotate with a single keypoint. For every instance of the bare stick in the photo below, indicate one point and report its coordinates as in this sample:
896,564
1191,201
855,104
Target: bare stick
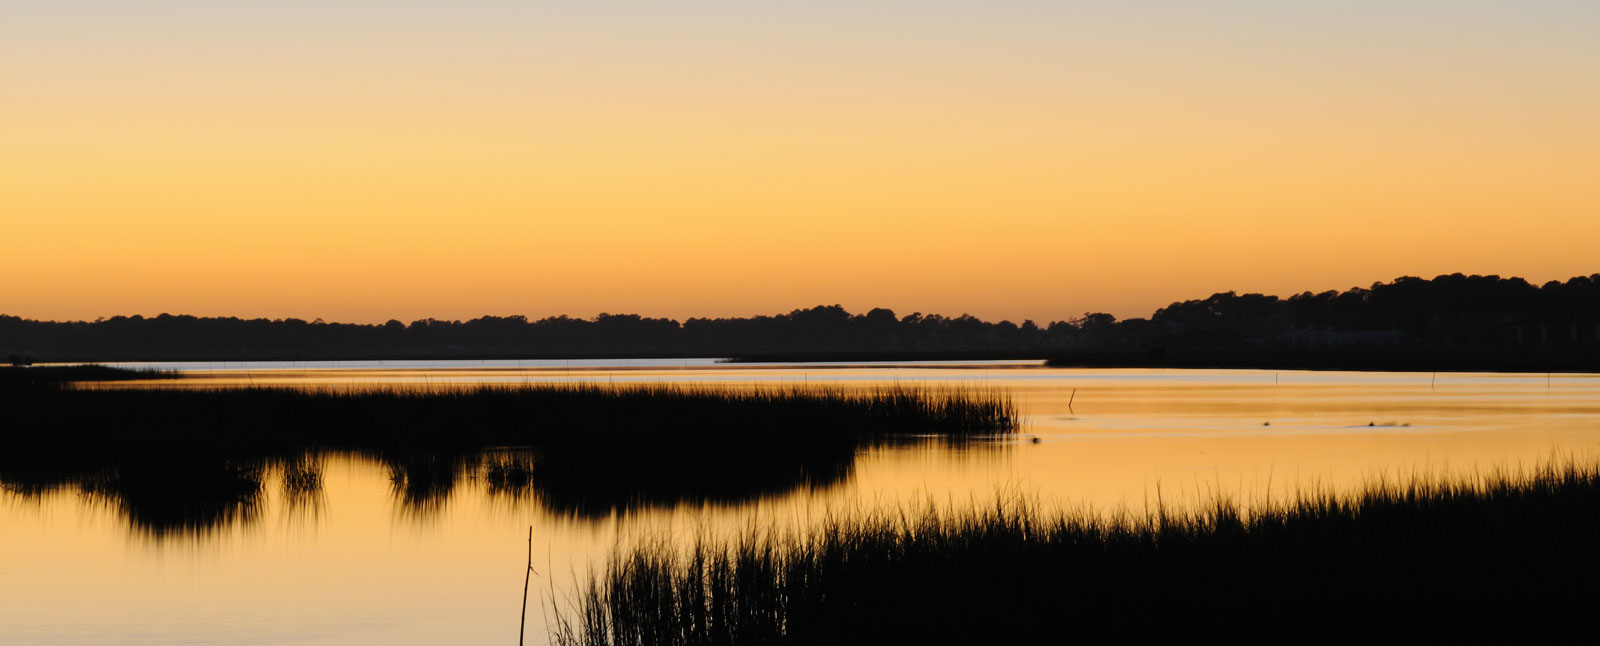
523,628
1070,399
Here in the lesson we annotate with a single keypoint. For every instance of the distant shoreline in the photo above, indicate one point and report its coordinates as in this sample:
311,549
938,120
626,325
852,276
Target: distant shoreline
1330,358
1367,359
1452,322
401,356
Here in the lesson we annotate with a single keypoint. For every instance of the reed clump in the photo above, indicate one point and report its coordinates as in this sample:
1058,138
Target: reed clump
159,499
1501,554
509,474
302,476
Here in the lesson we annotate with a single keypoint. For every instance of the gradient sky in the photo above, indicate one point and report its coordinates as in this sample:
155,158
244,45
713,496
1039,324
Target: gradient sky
365,160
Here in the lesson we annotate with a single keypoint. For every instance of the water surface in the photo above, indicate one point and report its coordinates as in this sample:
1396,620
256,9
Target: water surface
360,563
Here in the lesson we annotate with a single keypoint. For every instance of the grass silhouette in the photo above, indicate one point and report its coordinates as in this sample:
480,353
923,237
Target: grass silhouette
583,448
12,377
1503,554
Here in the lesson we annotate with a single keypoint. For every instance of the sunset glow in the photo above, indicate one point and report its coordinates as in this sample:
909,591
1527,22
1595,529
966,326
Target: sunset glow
360,161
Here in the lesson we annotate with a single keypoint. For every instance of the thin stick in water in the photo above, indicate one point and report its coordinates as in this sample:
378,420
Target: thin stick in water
523,627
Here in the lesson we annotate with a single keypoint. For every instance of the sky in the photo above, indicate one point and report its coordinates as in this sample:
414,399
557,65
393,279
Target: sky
357,160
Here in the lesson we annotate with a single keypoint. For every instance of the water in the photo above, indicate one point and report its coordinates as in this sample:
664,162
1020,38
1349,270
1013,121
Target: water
357,564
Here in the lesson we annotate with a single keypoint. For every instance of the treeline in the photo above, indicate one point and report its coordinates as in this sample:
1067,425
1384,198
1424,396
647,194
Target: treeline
818,329
1451,310
1447,311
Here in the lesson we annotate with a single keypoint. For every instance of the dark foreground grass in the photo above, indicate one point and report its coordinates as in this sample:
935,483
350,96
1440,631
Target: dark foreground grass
1481,559
583,448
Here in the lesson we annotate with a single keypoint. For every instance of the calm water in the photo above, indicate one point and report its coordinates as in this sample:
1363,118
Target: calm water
357,564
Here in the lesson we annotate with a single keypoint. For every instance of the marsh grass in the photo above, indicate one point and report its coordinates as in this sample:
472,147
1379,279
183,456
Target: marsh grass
508,474
301,480
302,476
588,449
1499,554
160,500
60,376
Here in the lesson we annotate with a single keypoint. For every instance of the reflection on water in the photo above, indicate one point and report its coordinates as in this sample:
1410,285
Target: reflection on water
429,548
198,498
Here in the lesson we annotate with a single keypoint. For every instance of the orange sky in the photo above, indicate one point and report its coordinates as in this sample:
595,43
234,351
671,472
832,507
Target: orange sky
362,161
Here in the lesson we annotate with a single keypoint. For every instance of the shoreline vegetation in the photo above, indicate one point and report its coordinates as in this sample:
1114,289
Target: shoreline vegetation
186,459
1508,553
58,376
1450,322
1371,359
